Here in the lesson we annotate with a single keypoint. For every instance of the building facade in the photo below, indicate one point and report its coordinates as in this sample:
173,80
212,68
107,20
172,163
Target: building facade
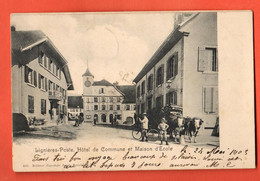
105,102
75,106
40,76
184,70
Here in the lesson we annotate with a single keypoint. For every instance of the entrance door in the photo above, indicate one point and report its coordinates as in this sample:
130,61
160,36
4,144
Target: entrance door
111,118
103,118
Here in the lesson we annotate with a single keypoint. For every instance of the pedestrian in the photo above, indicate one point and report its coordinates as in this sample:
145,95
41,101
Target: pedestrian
163,131
77,121
144,127
95,120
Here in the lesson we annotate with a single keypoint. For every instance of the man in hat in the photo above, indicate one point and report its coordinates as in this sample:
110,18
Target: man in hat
144,127
163,130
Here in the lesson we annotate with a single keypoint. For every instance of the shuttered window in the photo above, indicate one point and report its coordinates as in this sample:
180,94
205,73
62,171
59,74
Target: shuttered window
159,102
210,100
138,91
160,75
30,104
172,66
208,60
43,106
143,88
30,76
150,83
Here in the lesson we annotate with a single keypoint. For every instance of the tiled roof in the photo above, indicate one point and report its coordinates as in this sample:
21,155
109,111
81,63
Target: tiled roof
102,83
75,102
23,39
129,93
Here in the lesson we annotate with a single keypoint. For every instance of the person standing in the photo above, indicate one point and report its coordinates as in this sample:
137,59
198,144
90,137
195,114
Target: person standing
144,127
163,131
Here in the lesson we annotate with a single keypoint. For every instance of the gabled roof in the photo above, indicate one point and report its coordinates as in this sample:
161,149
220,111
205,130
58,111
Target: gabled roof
22,40
165,47
102,83
88,73
75,102
129,93
26,46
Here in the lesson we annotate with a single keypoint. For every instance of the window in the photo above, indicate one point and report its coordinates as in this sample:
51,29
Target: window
42,82
43,106
44,61
103,107
40,58
101,91
138,91
172,66
111,107
159,76
117,107
50,64
30,104
118,99
171,98
111,99
150,83
58,72
30,76
50,85
143,88
210,95
208,59
159,102
95,107
103,99
127,107
95,99
134,107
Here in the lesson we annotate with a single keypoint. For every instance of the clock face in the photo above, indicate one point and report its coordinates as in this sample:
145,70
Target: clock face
87,83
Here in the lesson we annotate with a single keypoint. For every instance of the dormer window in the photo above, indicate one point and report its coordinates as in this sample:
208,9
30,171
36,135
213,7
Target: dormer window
101,91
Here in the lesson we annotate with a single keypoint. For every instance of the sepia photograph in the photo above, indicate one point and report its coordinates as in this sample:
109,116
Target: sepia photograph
124,91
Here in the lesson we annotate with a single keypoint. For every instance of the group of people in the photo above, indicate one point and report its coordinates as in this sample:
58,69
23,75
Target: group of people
144,128
79,119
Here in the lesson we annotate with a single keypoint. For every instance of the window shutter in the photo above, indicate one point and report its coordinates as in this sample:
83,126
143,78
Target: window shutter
26,71
207,99
215,100
216,59
175,64
202,60
162,77
35,78
168,69
39,80
46,85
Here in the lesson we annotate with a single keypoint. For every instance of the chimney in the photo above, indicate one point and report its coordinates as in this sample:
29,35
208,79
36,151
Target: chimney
12,28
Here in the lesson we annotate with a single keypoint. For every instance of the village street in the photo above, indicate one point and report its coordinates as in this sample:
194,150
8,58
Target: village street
87,132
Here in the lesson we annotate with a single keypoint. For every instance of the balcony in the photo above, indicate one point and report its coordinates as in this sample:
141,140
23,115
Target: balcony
55,95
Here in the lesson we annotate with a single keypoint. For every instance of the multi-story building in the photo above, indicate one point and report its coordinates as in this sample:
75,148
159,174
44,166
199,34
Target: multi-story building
40,76
105,102
75,106
184,70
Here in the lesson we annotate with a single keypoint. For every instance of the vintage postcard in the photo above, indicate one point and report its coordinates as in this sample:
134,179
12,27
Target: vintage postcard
132,91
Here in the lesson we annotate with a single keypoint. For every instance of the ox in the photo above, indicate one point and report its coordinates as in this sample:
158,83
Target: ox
192,127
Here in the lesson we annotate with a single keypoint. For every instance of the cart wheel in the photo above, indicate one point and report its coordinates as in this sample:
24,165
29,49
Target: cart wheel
137,134
153,135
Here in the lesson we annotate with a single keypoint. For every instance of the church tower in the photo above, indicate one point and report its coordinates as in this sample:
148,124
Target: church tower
88,80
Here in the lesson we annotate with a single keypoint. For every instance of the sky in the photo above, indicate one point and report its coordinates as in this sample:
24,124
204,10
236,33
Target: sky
115,46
